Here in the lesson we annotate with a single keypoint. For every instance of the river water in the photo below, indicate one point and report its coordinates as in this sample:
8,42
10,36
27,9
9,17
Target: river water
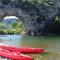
50,43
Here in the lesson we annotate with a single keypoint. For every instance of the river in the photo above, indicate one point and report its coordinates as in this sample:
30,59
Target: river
50,43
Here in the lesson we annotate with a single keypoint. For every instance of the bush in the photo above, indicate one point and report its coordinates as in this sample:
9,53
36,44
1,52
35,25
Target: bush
2,32
14,28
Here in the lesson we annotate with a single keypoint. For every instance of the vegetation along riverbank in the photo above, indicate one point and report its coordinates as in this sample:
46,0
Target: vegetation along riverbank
41,17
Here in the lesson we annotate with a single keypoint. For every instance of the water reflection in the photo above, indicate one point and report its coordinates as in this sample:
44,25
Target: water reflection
10,39
52,44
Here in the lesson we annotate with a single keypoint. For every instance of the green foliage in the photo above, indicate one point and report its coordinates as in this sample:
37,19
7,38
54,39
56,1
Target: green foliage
42,8
31,1
2,32
19,27
57,18
41,1
14,28
8,31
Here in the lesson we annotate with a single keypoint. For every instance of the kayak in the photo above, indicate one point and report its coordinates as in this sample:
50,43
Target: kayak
24,50
14,55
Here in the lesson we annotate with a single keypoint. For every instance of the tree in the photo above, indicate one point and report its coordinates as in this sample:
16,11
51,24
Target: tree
5,1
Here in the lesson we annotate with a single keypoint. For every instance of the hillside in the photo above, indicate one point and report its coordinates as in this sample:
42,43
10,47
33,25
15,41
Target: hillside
35,15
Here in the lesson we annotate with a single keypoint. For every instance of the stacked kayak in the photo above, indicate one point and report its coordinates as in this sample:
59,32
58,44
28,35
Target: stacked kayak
15,53
24,50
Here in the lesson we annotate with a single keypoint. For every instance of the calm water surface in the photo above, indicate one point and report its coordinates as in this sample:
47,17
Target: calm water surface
50,43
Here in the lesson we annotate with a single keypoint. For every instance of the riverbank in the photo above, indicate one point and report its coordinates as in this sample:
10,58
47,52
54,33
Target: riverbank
50,43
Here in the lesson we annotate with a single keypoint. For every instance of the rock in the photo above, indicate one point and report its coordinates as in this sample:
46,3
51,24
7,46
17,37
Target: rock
28,13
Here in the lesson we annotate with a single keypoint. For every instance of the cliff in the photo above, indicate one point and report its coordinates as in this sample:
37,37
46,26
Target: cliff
34,16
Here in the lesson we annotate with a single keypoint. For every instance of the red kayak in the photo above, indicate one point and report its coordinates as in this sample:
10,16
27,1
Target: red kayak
24,50
14,55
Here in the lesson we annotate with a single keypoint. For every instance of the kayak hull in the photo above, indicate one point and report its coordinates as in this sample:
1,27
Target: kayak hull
14,55
24,50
